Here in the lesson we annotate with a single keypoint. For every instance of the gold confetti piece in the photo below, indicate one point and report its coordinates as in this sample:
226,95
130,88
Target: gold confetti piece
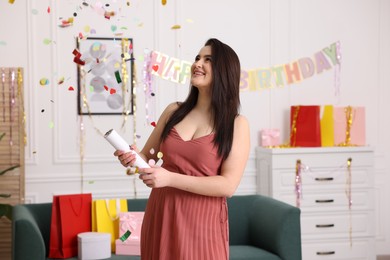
87,28
175,27
159,155
163,2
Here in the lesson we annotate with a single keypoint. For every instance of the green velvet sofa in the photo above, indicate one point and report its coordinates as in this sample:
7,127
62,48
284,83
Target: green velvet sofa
261,228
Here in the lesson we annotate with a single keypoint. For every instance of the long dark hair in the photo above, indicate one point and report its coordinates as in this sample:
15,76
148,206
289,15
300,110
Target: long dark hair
225,97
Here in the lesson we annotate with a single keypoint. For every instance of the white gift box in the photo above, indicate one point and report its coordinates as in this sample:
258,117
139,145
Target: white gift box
94,245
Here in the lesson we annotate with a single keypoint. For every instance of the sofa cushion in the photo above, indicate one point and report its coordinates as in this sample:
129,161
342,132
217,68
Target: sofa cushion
246,252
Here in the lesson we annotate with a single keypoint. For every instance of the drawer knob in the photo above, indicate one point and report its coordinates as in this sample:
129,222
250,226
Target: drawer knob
325,201
324,179
324,225
326,253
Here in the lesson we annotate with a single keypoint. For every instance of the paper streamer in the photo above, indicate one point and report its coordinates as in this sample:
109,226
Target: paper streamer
348,192
298,183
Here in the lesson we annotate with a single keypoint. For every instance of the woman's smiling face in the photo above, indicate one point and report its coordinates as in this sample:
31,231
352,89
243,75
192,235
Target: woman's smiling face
201,69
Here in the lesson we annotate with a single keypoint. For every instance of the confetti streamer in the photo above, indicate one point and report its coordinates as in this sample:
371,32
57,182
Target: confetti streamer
3,90
337,71
21,97
349,196
298,183
148,87
125,236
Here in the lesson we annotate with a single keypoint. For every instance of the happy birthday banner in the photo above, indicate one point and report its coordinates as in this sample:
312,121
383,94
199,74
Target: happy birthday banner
178,71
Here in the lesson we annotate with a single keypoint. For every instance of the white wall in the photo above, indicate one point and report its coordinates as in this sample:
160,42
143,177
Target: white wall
264,33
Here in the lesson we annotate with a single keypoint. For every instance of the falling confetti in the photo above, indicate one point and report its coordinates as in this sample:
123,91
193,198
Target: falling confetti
47,41
71,88
118,77
153,124
44,81
61,80
163,2
66,23
159,155
87,28
48,10
51,125
175,27
155,68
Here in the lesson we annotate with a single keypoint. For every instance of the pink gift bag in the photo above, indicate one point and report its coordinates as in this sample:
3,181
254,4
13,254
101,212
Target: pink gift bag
269,137
129,241
349,126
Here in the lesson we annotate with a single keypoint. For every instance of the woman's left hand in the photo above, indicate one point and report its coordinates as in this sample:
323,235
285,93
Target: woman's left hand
155,177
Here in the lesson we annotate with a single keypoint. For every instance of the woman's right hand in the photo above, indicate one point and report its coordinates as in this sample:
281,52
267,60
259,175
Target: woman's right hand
127,159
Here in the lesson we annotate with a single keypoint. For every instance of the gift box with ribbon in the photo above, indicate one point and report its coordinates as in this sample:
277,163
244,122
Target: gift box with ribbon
129,241
269,137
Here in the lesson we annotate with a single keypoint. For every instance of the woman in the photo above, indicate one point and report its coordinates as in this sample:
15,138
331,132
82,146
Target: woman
205,145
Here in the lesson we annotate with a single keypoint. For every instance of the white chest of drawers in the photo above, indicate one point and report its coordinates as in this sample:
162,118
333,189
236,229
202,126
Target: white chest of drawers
330,229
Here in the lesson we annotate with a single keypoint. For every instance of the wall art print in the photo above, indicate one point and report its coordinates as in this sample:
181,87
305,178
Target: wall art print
105,76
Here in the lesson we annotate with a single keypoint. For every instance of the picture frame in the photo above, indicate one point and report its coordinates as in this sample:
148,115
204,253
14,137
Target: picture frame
105,76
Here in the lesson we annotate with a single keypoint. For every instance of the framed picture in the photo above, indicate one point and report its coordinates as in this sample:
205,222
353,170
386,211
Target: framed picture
105,76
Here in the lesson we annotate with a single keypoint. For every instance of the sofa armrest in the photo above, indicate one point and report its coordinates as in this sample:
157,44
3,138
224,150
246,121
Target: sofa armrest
27,240
275,227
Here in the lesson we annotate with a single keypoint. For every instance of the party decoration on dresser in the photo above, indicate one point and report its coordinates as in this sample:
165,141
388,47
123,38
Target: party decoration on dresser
327,126
302,169
349,126
175,70
298,183
305,129
269,137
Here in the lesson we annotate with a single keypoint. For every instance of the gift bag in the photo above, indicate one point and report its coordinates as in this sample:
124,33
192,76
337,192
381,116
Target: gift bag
71,215
327,126
269,137
129,242
105,217
349,126
305,129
